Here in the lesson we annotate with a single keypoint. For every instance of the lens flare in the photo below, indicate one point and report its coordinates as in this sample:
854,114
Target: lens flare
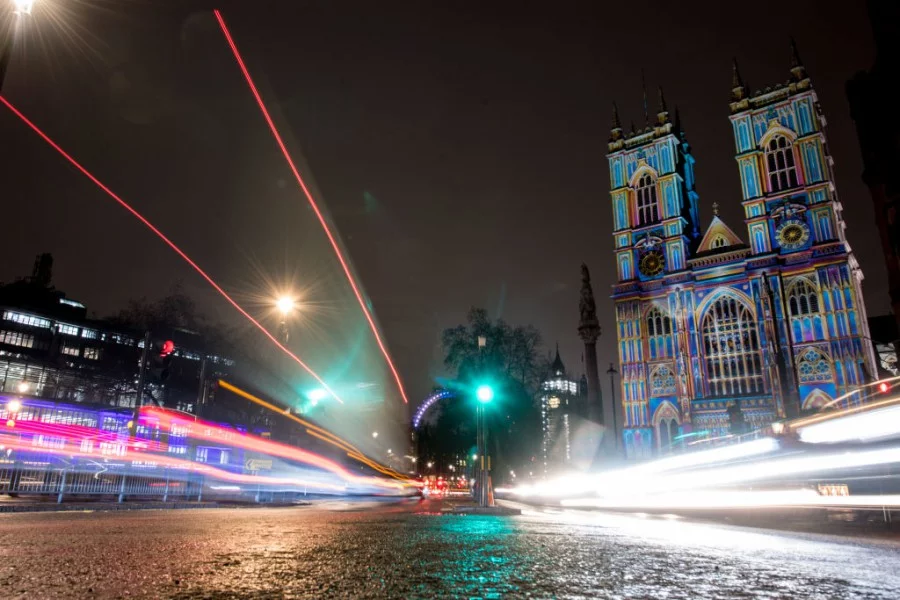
319,215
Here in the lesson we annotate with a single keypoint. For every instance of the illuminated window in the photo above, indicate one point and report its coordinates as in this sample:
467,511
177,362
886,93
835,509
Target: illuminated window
803,306
780,161
67,329
89,334
17,338
720,241
69,349
92,353
647,203
733,362
659,334
24,319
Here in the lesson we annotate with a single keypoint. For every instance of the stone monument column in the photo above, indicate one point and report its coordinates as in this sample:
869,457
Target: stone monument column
589,330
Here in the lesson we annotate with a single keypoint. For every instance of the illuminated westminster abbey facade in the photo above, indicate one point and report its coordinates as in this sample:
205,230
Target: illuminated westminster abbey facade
711,327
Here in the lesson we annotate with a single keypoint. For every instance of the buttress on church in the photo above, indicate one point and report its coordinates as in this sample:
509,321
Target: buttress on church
717,327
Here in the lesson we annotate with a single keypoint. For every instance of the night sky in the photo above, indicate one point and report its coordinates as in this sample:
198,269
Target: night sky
459,148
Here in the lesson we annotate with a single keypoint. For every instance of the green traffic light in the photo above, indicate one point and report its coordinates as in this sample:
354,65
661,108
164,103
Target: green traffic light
484,393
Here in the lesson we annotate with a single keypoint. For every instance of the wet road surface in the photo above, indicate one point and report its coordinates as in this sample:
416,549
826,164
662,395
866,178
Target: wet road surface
409,550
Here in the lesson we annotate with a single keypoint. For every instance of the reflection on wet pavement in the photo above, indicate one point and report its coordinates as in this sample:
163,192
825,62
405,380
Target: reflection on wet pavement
408,550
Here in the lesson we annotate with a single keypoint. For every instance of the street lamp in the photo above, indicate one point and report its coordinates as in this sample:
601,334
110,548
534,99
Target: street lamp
23,387
611,371
484,393
21,9
285,305
374,434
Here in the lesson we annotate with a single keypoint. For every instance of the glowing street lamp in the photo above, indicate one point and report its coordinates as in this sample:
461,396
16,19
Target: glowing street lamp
13,406
23,387
285,305
23,7
375,434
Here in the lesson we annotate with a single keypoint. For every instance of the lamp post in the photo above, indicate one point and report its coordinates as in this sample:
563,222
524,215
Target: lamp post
484,394
21,12
611,371
285,306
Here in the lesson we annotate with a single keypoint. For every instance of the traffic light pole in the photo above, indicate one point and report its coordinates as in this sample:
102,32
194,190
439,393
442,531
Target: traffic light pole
142,373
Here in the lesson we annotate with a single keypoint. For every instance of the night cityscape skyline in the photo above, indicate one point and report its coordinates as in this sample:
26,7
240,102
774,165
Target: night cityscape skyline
507,181
343,299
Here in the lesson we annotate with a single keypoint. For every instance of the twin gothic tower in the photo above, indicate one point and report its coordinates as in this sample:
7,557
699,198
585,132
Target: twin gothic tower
712,328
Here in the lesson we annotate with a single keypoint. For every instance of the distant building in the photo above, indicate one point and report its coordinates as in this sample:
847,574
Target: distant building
560,404
885,338
50,349
715,332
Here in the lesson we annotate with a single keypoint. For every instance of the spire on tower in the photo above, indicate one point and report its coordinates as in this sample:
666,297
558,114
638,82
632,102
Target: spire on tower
615,133
797,68
646,110
662,117
738,89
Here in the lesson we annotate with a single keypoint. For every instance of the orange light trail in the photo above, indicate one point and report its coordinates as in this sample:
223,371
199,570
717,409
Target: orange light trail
316,431
312,202
168,242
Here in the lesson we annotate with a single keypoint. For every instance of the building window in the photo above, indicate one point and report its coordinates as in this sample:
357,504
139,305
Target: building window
67,329
803,306
17,338
92,353
662,382
647,203
720,241
70,349
667,429
23,319
89,334
733,362
780,160
659,334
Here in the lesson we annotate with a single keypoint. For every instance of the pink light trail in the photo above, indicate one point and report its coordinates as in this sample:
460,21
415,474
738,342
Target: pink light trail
168,242
309,197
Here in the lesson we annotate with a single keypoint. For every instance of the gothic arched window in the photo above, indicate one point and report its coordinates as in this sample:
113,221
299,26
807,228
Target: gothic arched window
667,431
781,166
647,203
659,334
731,344
803,307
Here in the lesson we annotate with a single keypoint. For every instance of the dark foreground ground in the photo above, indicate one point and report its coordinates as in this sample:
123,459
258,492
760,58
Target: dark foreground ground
410,550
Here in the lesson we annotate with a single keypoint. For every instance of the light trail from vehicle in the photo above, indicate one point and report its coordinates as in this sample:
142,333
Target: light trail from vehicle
204,430
809,449
146,222
318,212
316,431
169,431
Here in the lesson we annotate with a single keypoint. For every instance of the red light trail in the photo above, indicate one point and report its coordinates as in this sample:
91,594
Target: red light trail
168,242
312,202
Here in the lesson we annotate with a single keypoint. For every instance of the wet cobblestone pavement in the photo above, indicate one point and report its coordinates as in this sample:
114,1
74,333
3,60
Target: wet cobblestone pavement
409,550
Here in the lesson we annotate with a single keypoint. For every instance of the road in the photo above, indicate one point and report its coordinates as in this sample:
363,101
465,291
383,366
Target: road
410,550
